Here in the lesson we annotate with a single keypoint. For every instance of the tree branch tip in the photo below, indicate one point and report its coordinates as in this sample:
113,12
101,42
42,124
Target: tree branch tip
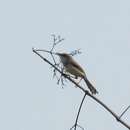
86,92
33,49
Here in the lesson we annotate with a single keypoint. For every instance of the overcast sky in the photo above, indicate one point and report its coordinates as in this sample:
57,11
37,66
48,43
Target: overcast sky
30,99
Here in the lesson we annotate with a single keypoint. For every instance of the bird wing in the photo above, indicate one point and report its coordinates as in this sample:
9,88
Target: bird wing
76,65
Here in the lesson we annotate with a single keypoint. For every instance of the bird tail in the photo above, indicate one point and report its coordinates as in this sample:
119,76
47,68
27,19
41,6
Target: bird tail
90,86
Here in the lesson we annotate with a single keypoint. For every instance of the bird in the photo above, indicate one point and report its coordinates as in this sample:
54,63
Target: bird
72,67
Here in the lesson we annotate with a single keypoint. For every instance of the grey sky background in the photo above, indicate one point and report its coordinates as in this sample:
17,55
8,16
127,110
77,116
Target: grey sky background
29,97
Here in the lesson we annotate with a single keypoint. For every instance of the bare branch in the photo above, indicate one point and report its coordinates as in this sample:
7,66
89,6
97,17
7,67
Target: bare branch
85,91
66,76
76,121
56,40
76,127
45,51
124,111
110,111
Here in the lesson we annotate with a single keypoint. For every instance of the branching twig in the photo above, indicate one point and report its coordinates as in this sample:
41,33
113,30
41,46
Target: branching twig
86,92
75,52
76,121
56,40
45,51
110,111
124,111
63,74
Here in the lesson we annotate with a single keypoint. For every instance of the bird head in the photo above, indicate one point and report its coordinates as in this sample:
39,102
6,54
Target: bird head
65,58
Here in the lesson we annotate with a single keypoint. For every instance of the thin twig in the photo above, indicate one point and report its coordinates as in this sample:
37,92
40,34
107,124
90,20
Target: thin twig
110,111
86,92
75,52
77,126
56,40
63,74
124,111
76,121
45,51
